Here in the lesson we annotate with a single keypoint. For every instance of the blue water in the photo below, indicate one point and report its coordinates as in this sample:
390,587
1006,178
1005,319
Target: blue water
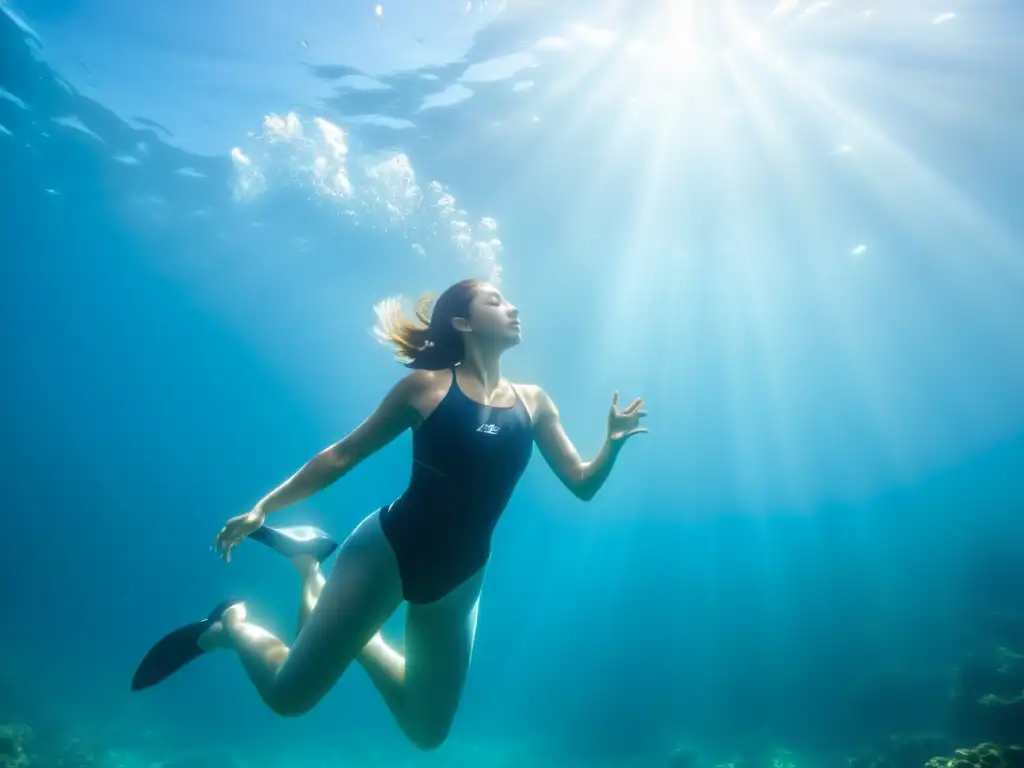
792,227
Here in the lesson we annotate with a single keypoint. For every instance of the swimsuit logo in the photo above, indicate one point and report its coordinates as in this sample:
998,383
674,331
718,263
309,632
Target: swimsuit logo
489,429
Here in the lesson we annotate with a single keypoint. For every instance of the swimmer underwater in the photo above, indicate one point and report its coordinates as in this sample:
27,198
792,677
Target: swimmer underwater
473,435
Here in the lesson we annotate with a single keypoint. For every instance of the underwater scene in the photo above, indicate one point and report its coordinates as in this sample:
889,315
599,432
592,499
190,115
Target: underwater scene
512,384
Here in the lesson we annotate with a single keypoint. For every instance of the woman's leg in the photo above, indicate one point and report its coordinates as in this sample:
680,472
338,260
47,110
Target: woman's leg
363,590
424,688
313,583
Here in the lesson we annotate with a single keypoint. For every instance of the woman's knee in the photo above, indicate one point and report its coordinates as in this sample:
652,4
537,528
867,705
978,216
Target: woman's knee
290,707
430,732
430,736
289,700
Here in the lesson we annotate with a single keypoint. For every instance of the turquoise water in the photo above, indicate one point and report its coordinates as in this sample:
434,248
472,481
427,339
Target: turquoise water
792,227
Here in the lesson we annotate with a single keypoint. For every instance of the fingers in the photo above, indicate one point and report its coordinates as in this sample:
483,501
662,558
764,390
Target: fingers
629,409
218,546
223,543
234,532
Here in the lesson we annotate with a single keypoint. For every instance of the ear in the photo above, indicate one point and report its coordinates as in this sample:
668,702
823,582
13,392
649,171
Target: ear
461,324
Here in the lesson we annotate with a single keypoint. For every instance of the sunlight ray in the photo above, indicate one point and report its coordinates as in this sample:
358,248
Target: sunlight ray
809,201
635,281
759,276
890,395
979,272
900,163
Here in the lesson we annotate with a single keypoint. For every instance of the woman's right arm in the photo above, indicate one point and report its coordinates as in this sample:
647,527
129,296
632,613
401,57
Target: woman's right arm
394,415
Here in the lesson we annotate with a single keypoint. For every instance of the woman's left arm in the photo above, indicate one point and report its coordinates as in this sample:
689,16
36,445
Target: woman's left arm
583,478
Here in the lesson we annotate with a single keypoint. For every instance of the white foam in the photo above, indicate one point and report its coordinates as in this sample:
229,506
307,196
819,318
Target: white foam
785,7
381,121
362,83
450,96
551,44
5,94
597,36
815,8
73,122
249,180
19,22
380,190
497,69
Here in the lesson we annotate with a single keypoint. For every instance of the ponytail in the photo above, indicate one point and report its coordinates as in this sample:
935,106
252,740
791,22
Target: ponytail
429,341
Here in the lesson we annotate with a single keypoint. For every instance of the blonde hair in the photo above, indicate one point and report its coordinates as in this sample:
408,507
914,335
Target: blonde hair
429,340
394,328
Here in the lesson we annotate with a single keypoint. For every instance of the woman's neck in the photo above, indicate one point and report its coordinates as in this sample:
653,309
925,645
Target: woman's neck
484,367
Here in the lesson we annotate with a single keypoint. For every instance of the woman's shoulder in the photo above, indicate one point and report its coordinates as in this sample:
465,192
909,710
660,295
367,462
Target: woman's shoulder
419,383
537,401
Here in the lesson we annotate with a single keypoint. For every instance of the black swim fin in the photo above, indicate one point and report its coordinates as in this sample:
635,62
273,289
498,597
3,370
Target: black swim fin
175,650
296,540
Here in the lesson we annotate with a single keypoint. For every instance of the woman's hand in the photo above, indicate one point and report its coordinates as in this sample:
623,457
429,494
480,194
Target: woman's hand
236,530
625,423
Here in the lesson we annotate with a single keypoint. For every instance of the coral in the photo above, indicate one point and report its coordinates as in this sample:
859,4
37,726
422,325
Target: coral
902,751
984,755
1006,627
56,753
683,757
73,753
13,740
757,757
988,697
783,758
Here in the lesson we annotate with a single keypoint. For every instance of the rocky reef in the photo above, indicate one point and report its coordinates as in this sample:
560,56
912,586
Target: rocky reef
982,756
987,702
14,741
762,757
903,751
19,750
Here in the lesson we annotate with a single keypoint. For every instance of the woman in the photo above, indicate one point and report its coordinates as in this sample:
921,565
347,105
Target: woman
473,434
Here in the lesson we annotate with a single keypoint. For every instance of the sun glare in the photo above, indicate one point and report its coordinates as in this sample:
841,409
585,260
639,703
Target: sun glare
804,130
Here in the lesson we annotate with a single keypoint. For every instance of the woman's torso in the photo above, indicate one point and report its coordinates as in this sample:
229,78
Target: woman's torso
467,459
